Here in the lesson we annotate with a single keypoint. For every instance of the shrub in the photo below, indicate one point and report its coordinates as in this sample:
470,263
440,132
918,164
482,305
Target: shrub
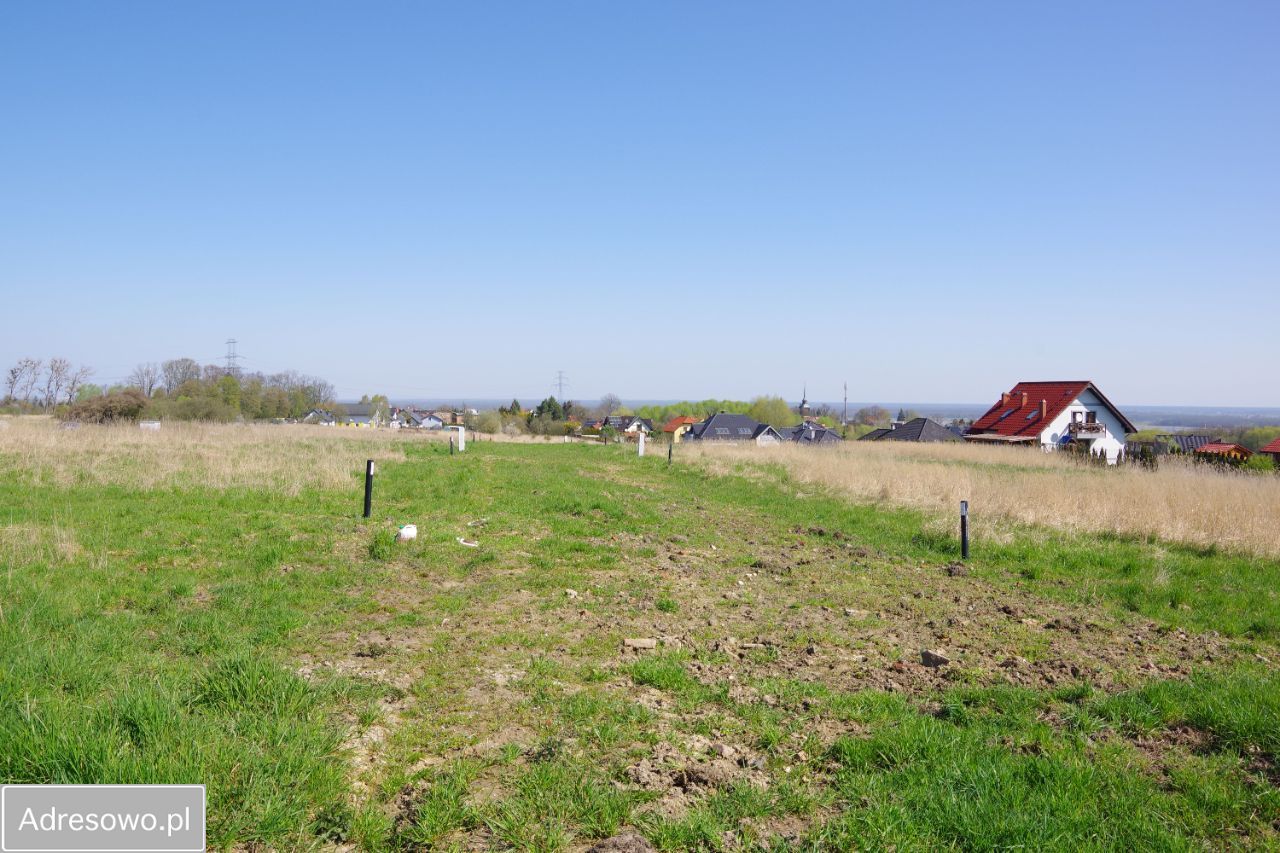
1260,462
195,409
126,405
488,422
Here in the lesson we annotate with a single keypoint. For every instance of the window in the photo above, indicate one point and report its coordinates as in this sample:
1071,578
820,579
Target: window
1031,416
722,430
743,431
1006,414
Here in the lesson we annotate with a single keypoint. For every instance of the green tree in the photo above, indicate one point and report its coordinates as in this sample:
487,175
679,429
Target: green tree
1258,437
773,411
251,396
228,391
549,409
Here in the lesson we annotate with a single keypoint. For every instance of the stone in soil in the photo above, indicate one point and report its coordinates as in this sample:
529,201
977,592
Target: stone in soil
929,658
626,842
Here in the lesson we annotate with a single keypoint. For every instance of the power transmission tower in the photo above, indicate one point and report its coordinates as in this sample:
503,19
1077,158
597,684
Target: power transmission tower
232,357
560,383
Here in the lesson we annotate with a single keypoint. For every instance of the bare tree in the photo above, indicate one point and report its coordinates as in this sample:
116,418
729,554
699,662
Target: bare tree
176,371
11,380
76,380
145,377
27,374
55,379
609,404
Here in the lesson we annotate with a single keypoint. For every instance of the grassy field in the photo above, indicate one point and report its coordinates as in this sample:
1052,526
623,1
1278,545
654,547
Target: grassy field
206,605
1181,501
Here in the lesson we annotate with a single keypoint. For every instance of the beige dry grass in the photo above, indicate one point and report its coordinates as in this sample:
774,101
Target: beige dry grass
285,459
1184,503
24,544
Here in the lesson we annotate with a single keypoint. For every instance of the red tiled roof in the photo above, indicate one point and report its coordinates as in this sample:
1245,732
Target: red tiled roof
1273,447
1058,395
675,423
1223,447
1012,418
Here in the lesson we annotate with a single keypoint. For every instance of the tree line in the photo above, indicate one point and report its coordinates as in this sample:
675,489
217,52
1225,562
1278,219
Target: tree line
553,417
179,388
34,384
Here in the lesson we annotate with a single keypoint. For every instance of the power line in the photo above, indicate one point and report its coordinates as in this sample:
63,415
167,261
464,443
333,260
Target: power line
560,383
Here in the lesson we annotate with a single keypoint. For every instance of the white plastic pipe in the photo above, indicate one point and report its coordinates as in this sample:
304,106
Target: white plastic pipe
640,445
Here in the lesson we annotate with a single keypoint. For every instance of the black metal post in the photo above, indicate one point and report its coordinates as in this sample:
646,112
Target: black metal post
368,488
450,445
964,530
670,448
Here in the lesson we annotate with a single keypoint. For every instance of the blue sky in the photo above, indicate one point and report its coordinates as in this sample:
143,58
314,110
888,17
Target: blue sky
931,201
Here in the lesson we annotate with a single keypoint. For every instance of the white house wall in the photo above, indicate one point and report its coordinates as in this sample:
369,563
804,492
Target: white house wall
1111,443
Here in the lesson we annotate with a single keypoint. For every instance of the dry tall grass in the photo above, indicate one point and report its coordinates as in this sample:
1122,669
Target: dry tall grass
1179,503
286,459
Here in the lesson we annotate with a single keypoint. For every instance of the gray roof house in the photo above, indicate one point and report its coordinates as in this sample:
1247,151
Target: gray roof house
1185,442
320,416
628,423
725,426
363,414
810,432
413,419
920,429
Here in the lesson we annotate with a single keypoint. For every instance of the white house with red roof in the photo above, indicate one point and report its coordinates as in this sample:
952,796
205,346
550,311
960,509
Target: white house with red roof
1054,415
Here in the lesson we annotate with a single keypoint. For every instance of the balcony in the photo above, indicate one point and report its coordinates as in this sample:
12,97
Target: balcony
1080,429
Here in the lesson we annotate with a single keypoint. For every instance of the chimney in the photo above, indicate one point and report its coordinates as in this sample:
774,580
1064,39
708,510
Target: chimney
1024,399
1004,398
1044,409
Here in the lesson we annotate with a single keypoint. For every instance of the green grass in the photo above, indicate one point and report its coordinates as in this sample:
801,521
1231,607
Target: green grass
989,773
1177,585
240,638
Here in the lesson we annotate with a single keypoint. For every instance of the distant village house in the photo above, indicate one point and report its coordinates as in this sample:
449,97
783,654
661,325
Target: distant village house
1273,450
1225,451
725,426
678,426
916,429
810,432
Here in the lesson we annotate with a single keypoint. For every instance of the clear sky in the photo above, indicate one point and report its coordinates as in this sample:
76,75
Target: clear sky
663,199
